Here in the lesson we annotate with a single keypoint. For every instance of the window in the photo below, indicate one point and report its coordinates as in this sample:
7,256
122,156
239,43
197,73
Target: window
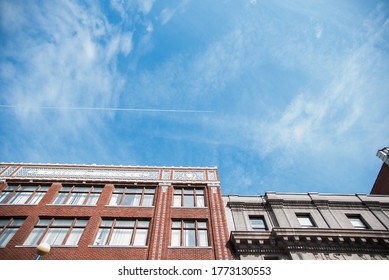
115,232
130,196
357,222
189,233
257,223
8,228
189,197
57,232
23,194
78,195
305,220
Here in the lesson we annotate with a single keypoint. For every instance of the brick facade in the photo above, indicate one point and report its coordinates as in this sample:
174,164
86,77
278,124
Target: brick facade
160,215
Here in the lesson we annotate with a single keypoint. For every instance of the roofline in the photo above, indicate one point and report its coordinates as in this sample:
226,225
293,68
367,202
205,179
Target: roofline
93,165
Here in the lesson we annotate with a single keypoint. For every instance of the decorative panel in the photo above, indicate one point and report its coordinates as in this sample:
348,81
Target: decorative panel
189,175
88,173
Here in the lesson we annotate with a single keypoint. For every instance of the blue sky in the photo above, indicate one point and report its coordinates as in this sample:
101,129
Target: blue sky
287,96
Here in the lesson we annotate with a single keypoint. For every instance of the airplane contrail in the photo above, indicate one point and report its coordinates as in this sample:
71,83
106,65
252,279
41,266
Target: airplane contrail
108,109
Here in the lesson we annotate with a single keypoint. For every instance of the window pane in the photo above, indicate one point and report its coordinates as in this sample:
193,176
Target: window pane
202,224
3,222
134,190
92,200
258,224
81,189
74,236
137,198
305,221
34,236
203,238
357,222
189,225
177,201
60,198
143,224
115,199
120,223
129,199
6,236
28,188
176,238
81,223
121,236
102,236
148,200
199,191
55,236
149,190
140,237
176,224
36,198
188,201
177,191
76,199
106,223
19,198
44,222
97,189
17,222
62,222
188,191
200,201
4,196
189,238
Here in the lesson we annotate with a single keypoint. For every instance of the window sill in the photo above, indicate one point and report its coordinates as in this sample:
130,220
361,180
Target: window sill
71,205
52,246
117,246
189,207
127,206
18,204
189,247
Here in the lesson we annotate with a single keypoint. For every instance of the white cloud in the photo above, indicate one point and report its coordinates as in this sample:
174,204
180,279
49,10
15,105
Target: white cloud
167,14
145,6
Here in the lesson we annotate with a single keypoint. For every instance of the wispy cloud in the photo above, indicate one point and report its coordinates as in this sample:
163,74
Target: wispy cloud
168,13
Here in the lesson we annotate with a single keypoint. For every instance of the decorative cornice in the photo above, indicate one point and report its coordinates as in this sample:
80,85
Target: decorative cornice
109,173
317,240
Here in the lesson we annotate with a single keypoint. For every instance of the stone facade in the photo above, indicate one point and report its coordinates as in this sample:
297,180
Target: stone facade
308,226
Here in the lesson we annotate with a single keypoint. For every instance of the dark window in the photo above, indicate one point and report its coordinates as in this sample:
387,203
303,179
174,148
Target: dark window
305,220
357,221
257,223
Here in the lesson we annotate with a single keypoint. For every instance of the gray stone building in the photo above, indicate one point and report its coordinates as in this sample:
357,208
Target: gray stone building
308,226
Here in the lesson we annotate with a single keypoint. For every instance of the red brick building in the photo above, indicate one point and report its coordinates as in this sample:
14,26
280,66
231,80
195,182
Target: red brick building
381,184
112,212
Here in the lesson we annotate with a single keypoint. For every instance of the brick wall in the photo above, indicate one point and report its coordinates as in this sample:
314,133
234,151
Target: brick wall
159,232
